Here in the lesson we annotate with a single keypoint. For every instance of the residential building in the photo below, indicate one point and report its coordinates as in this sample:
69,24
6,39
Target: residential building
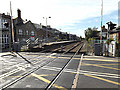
24,30
104,33
115,35
5,32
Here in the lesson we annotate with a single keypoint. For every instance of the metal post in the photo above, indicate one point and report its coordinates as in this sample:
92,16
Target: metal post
9,38
108,39
12,25
46,28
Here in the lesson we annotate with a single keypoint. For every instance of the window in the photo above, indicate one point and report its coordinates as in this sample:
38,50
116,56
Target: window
5,38
18,40
24,39
0,23
32,33
27,32
20,32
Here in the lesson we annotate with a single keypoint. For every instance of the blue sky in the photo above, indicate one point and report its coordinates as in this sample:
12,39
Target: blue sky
72,16
82,25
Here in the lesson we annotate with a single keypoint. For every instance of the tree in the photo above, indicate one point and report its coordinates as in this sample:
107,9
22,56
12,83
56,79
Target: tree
91,32
80,37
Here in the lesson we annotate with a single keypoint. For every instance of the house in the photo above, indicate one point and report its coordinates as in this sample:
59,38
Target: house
115,35
5,32
41,32
104,33
24,30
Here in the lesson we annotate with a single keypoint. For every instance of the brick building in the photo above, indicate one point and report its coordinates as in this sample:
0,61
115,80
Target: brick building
24,30
115,34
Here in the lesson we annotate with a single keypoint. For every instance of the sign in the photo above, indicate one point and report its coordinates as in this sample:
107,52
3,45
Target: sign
32,38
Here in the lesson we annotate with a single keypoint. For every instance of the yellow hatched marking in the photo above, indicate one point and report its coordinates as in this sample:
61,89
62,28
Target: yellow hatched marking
101,66
47,81
103,79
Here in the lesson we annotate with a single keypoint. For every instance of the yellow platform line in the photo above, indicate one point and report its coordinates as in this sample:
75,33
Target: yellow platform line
47,81
102,79
102,66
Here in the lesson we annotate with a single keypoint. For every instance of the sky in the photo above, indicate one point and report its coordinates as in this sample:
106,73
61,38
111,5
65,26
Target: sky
72,16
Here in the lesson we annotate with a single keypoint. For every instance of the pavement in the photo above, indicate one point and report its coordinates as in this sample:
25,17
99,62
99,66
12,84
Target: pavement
87,72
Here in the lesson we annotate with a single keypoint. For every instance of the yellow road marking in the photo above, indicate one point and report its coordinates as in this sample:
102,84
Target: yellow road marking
105,64
47,81
84,59
102,66
101,60
103,79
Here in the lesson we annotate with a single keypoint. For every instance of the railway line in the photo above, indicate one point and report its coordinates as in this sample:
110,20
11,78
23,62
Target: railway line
33,64
60,67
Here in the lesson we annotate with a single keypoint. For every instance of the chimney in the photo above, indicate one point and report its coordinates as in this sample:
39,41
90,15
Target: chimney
19,13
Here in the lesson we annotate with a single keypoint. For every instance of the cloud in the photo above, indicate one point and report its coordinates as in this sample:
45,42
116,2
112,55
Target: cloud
64,13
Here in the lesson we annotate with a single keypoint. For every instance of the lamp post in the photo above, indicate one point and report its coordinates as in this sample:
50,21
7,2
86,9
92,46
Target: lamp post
46,18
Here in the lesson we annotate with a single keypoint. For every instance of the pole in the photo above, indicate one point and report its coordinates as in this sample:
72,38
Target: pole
9,38
12,24
108,39
101,20
101,51
46,30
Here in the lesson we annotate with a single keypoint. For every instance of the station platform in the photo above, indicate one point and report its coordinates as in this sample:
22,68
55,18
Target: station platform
50,43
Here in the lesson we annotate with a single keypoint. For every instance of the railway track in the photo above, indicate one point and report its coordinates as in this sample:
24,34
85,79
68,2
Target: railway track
64,67
36,55
32,66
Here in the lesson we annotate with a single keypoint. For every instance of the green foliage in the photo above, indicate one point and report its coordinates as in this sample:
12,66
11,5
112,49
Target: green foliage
90,42
109,41
80,37
91,32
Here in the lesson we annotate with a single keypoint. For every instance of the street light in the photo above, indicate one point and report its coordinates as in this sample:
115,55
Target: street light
46,18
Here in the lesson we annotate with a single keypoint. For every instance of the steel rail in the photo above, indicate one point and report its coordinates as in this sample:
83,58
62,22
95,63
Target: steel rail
32,70
28,62
43,51
63,68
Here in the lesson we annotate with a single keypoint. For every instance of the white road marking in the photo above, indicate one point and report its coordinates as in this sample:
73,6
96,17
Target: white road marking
77,75
83,72
28,86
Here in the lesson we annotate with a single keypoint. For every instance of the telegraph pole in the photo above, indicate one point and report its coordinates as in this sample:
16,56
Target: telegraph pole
13,40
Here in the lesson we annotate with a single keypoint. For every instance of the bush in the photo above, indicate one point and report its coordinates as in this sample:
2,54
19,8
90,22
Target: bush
91,42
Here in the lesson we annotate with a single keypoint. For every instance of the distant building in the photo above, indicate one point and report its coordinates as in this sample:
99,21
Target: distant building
104,33
5,31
